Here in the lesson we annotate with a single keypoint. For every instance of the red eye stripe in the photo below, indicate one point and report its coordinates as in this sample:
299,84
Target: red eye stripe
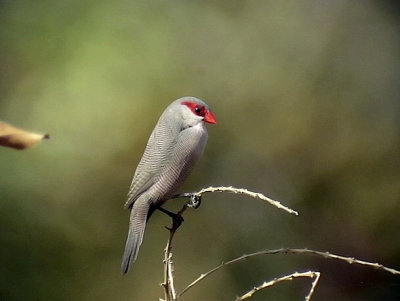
201,111
195,108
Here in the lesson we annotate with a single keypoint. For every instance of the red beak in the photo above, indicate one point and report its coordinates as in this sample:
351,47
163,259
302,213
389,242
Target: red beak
210,118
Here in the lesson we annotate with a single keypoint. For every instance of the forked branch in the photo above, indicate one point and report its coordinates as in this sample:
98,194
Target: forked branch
195,200
290,277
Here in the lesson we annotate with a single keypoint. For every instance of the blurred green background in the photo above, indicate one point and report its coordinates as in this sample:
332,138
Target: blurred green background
307,99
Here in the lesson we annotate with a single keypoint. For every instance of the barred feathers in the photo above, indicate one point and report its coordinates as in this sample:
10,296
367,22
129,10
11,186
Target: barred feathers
174,146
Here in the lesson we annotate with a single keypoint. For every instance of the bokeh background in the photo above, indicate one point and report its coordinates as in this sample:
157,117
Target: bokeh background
307,99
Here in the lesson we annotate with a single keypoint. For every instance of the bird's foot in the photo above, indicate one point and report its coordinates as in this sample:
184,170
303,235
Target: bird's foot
195,201
176,222
177,219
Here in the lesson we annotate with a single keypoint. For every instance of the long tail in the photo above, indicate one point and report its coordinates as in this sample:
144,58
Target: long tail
137,224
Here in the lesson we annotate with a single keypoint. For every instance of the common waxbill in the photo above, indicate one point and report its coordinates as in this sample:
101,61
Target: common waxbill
174,146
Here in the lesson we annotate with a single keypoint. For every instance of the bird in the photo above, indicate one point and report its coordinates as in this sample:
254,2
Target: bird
175,145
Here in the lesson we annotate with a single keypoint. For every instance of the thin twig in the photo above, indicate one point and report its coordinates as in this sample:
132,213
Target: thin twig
168,284
167,258
310,274
171,278
246,192
349,260
313,285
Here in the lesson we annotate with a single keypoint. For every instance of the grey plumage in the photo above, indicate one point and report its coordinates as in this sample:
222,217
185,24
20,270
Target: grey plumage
174,146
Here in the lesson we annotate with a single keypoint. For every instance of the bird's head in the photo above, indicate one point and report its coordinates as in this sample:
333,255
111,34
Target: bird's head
195,110
188,112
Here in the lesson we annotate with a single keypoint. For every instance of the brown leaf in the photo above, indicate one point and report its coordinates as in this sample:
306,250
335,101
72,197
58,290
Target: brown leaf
17,138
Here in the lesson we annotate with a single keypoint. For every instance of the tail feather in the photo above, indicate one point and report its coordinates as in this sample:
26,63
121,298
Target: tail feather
137,224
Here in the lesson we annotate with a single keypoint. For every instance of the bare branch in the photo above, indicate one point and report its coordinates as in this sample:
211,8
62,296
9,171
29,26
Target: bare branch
171,278
290,277
168,284
234,190
168,278
349,260
195,199
313,285
249,193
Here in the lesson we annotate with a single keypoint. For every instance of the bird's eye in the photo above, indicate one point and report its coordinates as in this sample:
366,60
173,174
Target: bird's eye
197,109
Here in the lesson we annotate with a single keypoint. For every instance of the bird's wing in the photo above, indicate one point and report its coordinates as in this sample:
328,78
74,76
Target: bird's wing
185,151
154,159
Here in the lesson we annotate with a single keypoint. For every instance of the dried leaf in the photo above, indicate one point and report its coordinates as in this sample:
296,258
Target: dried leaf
17,138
